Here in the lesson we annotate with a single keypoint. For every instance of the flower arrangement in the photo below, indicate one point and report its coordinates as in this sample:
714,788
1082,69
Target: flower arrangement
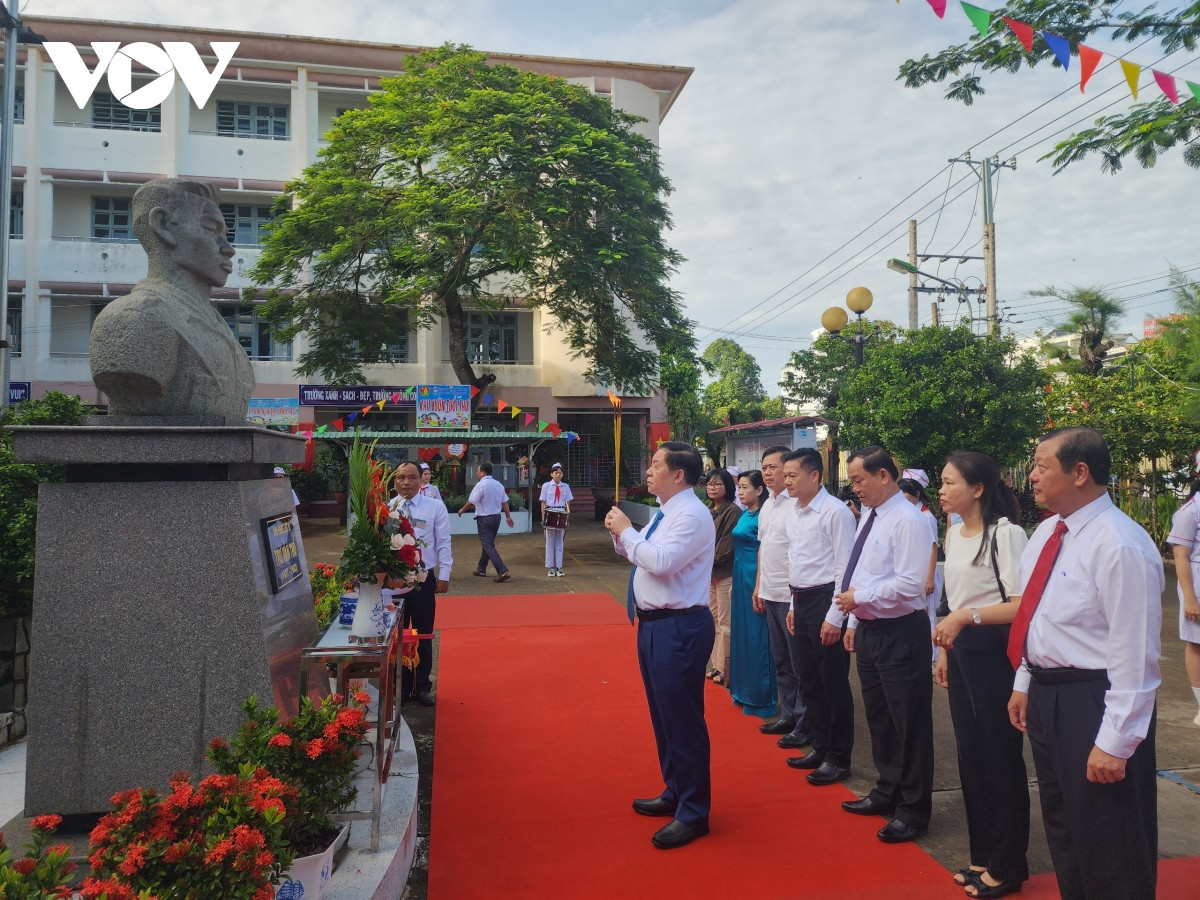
327,590
314,752
380,540
220,838
43,871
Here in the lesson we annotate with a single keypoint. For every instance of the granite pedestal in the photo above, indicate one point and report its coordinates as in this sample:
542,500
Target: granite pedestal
155,611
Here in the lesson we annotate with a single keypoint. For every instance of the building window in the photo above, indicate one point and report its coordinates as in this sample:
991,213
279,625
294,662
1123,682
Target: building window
491,337
19,105
14,323
259,120
109,112
253,333
16,215
112,218
245,223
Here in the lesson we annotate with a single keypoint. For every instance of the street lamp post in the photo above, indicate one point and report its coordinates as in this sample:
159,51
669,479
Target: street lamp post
834,320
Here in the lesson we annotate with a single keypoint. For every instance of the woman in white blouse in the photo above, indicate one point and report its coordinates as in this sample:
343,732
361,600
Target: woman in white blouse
983,581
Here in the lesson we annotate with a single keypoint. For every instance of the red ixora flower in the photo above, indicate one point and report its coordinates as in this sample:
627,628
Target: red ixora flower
46,823
23,866
280,740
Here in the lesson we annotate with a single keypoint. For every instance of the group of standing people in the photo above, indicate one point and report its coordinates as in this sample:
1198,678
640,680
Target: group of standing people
1056,637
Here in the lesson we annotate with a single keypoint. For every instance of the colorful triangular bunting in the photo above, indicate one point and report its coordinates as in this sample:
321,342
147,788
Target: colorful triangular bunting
379,405
939,8
351,417
339,425
514,413
501,406
1194,88
1166,84
487,399
367,409
321,430
1132,71
474,391
542,425
529,420
1061,47
980,18
570,436
1023,32
396,397
1088,60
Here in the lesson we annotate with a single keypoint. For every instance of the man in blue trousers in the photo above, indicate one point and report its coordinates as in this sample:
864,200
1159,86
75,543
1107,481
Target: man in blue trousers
668,593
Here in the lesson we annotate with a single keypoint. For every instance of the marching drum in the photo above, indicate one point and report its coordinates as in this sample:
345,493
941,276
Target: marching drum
556,518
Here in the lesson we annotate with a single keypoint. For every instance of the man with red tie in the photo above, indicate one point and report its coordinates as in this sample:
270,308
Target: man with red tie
1086,643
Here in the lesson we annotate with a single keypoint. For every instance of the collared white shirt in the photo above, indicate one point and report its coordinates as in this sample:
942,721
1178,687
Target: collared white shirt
674,566
431,491
1101,609
564,494
431,522
489,496
889,580
820,537
1184,526
773,548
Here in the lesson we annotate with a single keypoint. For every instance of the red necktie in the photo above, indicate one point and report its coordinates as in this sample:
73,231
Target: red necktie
557,492
1033,594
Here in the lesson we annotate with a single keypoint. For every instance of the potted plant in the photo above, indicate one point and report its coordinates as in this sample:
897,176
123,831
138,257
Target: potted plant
308,485
382,548
315,753
220,838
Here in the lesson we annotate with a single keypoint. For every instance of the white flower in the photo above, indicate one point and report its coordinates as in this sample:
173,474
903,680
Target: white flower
397,541
409,540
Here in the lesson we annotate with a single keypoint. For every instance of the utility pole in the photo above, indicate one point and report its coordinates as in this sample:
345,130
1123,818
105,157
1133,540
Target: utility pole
912,276
987,168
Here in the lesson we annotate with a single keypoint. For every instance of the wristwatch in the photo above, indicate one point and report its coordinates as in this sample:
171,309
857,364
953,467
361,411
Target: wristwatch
975,616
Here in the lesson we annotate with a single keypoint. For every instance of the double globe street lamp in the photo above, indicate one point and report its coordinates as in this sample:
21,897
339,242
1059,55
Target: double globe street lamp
834,320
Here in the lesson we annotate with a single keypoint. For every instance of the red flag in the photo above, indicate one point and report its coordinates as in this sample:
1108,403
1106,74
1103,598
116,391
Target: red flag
474,391
338,425
1166,84
1023,32
1088,60
396,397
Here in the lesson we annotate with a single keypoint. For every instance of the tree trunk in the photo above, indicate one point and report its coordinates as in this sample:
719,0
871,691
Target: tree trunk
455,321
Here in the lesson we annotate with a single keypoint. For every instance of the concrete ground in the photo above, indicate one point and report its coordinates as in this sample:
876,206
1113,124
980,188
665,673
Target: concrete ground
591,566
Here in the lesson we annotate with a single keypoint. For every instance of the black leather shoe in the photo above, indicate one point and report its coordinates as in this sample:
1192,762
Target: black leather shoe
896,832
827,773
868,807
426,698
654,806
677,835
810,760
795,741
779,726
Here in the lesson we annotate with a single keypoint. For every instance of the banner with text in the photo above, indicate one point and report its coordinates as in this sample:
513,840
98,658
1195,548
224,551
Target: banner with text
322,395
443,407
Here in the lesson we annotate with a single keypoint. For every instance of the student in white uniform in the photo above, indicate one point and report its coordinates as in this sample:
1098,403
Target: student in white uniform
556,497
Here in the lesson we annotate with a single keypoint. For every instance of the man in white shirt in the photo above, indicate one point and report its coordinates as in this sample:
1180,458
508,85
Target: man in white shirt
668,592
490,498
820,533
431,522
773,599
1088,637
884,587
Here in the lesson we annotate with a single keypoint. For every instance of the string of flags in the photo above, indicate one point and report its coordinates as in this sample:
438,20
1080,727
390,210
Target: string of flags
1089,57
339,425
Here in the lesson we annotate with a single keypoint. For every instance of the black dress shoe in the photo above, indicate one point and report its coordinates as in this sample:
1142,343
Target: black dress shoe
426,698
868,807
795,741
654,806
827,773
677,835
897,832
810,760
779,726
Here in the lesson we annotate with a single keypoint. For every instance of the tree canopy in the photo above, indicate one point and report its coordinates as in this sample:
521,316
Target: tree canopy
1144,132
1092,311
737,378
937,390
471,185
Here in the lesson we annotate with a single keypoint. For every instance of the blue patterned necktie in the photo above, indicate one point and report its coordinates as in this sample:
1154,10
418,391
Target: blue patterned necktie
856,551
630,605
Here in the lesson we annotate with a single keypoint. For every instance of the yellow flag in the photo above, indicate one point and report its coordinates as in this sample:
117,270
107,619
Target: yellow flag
1131,70
379,405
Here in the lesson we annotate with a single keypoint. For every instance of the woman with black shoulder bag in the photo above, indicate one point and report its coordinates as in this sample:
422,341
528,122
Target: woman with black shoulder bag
983,583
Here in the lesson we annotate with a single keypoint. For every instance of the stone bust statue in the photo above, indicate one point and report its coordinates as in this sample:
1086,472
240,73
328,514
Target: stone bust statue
164,350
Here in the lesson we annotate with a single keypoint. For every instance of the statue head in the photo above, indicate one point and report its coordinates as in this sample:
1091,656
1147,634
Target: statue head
183,232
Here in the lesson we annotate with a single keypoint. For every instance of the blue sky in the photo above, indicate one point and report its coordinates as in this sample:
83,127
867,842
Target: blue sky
798,158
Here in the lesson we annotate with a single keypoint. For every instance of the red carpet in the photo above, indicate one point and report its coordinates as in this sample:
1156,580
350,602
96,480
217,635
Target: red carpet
543,739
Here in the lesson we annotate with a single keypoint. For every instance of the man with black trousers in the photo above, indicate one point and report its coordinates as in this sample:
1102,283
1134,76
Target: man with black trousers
820,531
431,523
1086,641
668,593
884,589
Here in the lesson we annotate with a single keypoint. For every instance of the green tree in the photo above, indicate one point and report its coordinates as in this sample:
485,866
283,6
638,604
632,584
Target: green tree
18,496
1181,335
679,375
467,184
1144,133
1092,312
938,390
736,378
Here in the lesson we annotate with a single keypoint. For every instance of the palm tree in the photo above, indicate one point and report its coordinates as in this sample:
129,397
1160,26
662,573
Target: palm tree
1092,311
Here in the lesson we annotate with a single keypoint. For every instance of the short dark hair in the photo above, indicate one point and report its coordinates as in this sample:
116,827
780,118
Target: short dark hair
726,478
808,458
685,457
1082,445
778,448
875,458
485,467
408,462
754,476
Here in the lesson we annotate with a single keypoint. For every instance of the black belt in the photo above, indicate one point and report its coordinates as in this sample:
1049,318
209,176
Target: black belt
1065,675
649,615
873,623
805,593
